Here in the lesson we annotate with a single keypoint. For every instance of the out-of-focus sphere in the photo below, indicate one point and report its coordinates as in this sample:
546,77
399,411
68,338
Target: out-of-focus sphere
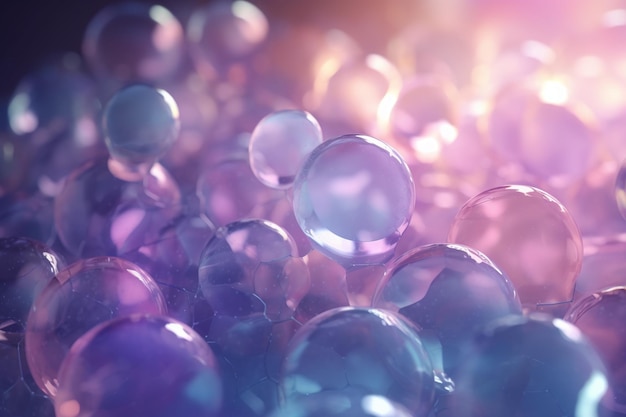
620,190
222,32
353,197
27,267
139,366
140,124
449,290
529,234
601,317
337,404
279,145
530,366
359,351
86,293
134,41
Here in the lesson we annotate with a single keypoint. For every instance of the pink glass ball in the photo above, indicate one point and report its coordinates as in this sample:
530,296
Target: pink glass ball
87,293
530,235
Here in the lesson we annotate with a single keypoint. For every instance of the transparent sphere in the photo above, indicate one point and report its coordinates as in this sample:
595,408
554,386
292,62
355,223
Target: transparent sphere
253,260
139,366
530,366
86,293
134,41
338,404
448,290
52,99
279,145
223,32
140,124
529,234
601,317
99,214
359,351
353,197
27,268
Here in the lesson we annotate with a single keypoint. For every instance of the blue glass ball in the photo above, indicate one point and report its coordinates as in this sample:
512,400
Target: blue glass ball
140,124
530,366
449,290
359,351
353,198
139,366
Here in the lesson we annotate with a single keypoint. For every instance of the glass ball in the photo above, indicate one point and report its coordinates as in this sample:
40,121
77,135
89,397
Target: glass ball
133,41
27,267
353,198
223,32
529,234
530,366
98,214
359,351
139,366
56,97
448,290
337,404
254,260
140,124
279,145
81,296
601,317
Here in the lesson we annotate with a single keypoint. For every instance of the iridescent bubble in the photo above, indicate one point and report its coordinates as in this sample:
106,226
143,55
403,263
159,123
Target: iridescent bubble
353,197
223,32
55,98
535,366
134,41
140,124
450,291
253,282
359,351
530,235
338,404
99,214
280,143
254,259
601,317
139,366
27,267
86,293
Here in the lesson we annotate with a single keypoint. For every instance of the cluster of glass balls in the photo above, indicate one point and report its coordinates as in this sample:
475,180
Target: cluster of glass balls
243,217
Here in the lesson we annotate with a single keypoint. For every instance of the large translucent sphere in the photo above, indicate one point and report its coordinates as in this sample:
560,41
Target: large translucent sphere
533,366
99,214
139,366
140,124
602,319
133,41
353,198
81,296
279,145
529,234
358,351
449,290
